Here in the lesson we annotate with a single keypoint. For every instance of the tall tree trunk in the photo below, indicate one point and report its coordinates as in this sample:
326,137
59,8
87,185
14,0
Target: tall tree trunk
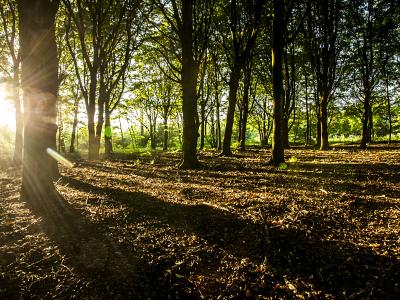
278,146
307,137
285,129
165,124
152,131
202,124
18,116
239,124
365,121
318,109
324,120
189,74
91,110
389,111
212,129
232,98
370,126
61,140
99,128
121,132
39,81
217,112
108,147
141,123
217,105
246,91
74,125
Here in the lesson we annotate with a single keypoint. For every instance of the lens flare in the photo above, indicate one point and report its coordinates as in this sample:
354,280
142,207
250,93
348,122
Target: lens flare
58,157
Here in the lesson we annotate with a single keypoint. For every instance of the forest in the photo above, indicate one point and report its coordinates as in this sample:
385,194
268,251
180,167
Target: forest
199,149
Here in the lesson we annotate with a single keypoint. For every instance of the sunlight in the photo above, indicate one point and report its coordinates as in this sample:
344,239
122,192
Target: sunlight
7,110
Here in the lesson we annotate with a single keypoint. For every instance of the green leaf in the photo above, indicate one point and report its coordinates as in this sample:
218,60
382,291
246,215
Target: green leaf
282,166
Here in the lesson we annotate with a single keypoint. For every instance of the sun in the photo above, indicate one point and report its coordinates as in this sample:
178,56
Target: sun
7,110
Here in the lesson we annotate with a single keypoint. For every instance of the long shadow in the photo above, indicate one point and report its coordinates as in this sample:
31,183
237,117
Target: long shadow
336,267
107,269
304,175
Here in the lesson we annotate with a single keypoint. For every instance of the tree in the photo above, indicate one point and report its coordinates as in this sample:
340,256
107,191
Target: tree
370,26
9,19
190,21
323,23
278,143
244,25
101,55
39,82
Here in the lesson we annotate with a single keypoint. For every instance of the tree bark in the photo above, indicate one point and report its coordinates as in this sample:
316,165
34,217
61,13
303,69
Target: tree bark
121,132
324,120
91,110
278,146
365,122
152,131
108,147
18,117
189,74
232,98
74,126
61,139
165,124
202,123
307,136
246,91
239,124
39,81
389,111
217,112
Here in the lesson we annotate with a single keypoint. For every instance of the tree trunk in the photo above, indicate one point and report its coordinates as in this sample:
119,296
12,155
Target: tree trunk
370,126
217,111
307,137
217,106
91,110
189,83
389,111
324,121
318,109
108,147
165,145
246,91
278,146
365,121
39,81
121,132
212,129
18,117
74,126
232,98
61,140
99,127
141,123
202,124
285,129
239,124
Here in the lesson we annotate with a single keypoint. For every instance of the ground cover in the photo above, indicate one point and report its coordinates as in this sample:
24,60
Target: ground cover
327,227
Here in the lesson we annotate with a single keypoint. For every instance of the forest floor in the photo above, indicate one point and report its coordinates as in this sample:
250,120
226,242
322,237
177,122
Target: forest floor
328,227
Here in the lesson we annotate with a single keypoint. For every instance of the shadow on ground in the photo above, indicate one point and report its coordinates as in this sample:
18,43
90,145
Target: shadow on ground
335,267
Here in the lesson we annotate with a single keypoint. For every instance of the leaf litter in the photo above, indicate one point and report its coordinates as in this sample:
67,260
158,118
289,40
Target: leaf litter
326,226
